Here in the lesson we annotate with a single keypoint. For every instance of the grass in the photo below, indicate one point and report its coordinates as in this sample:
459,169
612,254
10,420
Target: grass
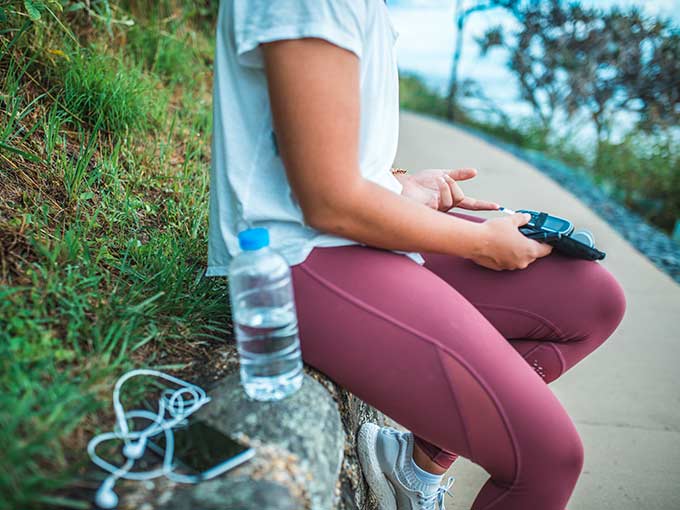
104,166
98,87
643,171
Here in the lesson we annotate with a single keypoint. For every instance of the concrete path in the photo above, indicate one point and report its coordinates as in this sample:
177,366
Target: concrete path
625,397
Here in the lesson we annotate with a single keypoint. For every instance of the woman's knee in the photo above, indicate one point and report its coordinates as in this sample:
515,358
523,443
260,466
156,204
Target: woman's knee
555,454
568,454
613,301
598,301
609,302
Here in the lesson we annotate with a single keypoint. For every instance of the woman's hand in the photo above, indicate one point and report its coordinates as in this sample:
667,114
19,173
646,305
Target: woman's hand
505,247
439,190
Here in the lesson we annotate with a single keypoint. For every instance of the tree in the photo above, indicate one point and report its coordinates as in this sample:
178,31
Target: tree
571,59
658,85
461,15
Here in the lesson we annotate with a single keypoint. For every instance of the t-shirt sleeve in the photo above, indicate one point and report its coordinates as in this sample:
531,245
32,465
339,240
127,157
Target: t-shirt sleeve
340,22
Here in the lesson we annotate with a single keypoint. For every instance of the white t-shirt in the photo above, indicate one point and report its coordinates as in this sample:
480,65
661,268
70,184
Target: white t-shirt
249,186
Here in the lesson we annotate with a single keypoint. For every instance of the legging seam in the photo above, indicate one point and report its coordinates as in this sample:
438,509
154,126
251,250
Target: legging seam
526,313
560,358
499,409
455,403
530,351
543,321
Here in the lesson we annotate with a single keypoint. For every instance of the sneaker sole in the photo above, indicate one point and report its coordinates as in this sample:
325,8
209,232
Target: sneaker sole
377,481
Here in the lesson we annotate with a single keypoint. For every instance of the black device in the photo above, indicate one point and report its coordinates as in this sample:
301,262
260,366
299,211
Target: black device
560,233
202,450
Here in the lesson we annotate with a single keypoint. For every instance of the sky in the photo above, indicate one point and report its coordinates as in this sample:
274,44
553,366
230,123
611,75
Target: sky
426,41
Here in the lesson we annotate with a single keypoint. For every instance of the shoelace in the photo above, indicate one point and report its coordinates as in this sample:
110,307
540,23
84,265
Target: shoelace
428,502
392,431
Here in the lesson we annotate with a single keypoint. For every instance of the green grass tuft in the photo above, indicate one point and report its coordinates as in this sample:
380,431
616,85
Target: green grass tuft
100,88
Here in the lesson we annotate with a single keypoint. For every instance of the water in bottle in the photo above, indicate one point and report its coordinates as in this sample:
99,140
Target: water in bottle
264,318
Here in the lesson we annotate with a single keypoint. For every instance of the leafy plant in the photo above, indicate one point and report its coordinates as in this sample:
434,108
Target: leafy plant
34,8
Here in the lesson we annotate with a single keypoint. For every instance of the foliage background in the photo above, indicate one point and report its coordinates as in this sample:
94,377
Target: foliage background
597,86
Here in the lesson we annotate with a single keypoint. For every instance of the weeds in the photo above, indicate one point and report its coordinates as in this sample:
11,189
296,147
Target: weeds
80,172
103,212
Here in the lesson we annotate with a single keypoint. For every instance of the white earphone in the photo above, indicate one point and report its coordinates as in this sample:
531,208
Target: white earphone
174,407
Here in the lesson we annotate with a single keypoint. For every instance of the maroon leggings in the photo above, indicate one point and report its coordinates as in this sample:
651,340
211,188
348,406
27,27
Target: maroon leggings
460,355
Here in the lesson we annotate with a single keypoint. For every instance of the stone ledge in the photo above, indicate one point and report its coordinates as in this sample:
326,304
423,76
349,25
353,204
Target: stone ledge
354,412
306,424
305,453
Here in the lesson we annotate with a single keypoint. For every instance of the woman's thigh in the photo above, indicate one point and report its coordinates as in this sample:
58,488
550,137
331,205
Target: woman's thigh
405,341
570,303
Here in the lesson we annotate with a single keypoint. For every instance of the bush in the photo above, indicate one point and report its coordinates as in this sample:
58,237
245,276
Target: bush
644,170
415,95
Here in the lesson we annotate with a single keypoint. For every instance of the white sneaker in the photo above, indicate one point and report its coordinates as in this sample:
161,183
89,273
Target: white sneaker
385,455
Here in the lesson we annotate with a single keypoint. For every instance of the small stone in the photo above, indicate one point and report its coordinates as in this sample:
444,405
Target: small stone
165,497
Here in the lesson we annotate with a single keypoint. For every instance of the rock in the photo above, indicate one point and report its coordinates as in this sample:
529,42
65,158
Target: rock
354,493
272,480
239,493
305,453
306,424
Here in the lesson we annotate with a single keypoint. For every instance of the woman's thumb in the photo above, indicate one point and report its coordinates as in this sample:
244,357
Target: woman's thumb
521,218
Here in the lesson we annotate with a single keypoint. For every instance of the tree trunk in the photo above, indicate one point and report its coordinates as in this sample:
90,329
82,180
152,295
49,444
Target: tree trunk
453,81
599,128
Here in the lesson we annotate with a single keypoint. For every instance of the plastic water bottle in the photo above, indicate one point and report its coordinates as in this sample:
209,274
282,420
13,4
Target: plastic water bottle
265,319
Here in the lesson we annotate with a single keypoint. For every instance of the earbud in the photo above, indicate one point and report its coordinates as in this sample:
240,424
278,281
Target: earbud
174,407
135,450
106,498
585,237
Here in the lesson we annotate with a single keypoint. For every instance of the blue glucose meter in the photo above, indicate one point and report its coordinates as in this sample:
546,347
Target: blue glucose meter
559,232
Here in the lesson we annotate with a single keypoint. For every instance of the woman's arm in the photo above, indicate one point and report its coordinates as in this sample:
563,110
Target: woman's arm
314,94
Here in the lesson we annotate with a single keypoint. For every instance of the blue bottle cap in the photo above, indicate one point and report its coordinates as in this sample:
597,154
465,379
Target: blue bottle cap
253,239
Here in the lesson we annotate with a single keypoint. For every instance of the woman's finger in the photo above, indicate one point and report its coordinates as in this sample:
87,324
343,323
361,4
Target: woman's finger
462,174
456,192
542,249
473,204
445,196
